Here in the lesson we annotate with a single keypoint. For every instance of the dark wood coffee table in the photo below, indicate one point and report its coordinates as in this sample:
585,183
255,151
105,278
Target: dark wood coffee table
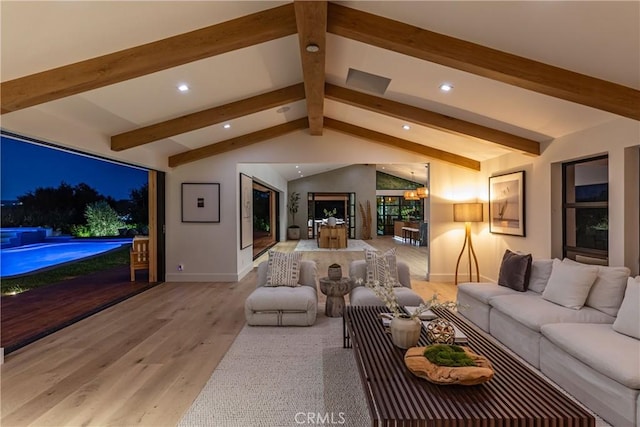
516,396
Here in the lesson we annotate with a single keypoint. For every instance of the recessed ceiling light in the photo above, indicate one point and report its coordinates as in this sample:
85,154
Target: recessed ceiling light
446,87
406,127
312,47
183,88
283,109
226,126
297,166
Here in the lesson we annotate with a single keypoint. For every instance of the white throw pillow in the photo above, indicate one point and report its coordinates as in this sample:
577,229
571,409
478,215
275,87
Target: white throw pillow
381,264
569,284
283,269
540,273
608,290
628,320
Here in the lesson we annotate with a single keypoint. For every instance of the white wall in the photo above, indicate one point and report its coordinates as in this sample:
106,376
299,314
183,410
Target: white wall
358,179
542,194
211,252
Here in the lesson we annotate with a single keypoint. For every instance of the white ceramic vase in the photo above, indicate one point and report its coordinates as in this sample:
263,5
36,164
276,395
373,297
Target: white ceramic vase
405,332
331,221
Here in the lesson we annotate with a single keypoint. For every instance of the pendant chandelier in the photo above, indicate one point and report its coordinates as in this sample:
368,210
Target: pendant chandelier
422,192
411,194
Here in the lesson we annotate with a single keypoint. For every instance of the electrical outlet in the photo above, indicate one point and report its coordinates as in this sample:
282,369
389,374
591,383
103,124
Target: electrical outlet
180,267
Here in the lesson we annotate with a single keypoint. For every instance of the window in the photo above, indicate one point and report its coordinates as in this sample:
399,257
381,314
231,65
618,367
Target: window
391,208
586,208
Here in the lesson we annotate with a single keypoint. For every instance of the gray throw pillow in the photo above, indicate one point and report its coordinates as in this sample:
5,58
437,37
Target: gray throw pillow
515,271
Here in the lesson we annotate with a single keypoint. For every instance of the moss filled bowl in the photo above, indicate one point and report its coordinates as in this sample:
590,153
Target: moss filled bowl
465,366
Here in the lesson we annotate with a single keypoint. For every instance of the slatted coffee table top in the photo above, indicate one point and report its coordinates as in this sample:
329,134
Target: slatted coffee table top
516,396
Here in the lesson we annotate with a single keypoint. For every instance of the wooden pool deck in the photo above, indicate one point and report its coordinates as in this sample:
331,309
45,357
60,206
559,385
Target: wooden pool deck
31,315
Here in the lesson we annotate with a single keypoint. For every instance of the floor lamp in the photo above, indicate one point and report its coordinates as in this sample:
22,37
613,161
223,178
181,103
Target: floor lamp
467,213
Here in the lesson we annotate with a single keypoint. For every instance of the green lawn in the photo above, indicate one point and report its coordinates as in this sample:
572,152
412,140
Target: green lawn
65,272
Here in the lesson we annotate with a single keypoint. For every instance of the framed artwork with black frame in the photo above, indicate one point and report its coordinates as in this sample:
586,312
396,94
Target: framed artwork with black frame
246,211
506,204
200,202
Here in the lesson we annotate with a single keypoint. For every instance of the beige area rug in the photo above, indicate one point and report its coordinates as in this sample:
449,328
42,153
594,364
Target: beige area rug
288,376
283,376
311,245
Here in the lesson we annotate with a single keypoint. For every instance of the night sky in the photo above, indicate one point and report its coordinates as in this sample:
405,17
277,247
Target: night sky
25,167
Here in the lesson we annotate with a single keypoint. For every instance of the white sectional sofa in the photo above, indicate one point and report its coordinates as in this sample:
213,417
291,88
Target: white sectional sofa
584,336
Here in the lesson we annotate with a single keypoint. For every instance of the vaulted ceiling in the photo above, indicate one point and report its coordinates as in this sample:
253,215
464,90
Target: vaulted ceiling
523,72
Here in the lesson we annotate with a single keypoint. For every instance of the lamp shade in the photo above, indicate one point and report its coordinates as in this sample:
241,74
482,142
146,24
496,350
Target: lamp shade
423,192
411,195
467,212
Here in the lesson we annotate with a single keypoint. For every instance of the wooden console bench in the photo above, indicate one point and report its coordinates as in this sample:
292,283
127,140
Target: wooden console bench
516,396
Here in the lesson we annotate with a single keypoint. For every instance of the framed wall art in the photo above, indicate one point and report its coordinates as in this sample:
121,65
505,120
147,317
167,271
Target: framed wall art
246,211
506,204
200,202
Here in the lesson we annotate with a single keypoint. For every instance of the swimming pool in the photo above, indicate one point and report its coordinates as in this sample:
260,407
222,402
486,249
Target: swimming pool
29,258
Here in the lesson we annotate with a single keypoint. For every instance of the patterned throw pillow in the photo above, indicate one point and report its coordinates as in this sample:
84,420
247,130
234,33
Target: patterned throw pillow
379,264
283,269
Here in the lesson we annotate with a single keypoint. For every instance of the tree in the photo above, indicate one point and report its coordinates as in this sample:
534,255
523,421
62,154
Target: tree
57,208
102,219
139,205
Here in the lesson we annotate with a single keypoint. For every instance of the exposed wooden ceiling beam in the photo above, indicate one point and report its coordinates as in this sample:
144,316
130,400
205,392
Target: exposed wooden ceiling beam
311,18
430,119
148,58
207,117
483,61
238,142
402,144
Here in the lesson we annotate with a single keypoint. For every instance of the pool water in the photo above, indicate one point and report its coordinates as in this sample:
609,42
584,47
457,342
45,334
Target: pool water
29,258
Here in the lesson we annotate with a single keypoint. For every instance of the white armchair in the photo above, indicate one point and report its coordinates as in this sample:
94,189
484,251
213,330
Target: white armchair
284,305
362,295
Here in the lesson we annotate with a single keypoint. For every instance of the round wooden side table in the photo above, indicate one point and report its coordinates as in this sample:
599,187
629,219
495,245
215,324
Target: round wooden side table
335,290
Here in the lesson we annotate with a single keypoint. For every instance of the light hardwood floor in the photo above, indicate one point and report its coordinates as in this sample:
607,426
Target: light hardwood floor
144,361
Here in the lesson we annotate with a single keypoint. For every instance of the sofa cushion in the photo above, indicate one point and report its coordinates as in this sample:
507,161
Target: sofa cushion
381,266
283,268
540,273
361,295
608,289
628,320
282,298
532,311
569,284
484,291
592,344
515,271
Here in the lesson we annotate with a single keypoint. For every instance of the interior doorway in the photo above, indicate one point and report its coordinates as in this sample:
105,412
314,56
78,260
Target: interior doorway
321,206
265,218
